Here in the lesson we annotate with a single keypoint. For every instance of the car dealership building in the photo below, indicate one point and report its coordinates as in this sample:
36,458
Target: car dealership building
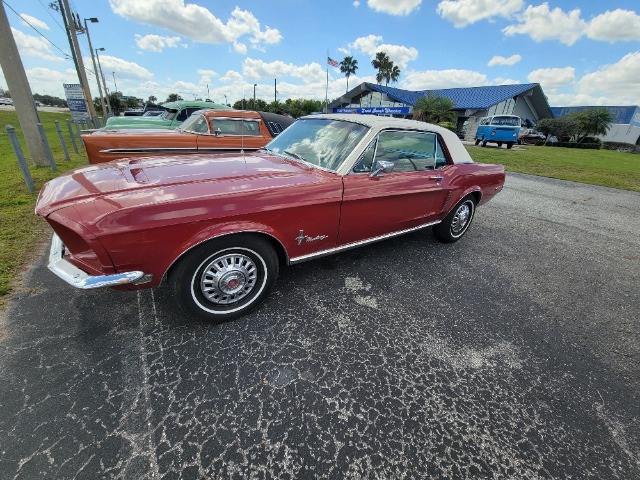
472,103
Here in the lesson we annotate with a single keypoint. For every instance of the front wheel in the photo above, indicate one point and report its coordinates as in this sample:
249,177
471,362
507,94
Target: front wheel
454,226
509,145
477,141
225,278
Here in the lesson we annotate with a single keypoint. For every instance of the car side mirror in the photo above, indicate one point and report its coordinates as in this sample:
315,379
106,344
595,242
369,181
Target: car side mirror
382,166
218,132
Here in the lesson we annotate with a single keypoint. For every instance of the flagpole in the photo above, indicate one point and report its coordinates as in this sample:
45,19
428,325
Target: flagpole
326,92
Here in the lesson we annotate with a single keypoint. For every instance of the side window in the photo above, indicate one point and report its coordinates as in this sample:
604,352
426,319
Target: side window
408,150
365,163
228,126
185,113
441,159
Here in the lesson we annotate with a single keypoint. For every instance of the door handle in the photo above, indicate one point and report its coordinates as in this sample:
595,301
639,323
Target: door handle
437,178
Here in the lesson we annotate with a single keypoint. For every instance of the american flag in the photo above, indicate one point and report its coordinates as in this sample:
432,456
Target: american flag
332,62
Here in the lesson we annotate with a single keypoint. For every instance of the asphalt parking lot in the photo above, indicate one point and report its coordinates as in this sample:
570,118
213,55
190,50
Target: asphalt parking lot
514,353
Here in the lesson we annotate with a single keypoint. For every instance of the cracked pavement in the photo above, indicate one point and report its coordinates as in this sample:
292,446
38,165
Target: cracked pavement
513,353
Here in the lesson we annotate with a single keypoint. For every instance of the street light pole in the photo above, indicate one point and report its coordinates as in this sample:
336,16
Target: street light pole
254,95
104,83
114,81
95,68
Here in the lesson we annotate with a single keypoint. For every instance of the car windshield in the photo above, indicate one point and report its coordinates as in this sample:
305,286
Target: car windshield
196,123
322,142
509,121
168,115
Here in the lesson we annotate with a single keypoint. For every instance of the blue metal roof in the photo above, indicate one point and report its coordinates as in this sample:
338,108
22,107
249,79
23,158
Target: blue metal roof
622,115
479,98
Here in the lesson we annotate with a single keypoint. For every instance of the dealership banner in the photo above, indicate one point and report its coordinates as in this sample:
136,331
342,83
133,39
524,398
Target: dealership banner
375,110
76,101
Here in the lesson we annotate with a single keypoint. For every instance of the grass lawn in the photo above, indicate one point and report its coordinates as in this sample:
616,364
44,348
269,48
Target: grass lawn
597,167
22,233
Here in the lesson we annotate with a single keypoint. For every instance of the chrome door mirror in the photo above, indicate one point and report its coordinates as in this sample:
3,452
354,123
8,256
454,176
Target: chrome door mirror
382,166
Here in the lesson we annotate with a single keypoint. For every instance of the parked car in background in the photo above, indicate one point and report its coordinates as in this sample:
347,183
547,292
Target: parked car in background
499,129
530,135
6,101
205,131
175,113
216,228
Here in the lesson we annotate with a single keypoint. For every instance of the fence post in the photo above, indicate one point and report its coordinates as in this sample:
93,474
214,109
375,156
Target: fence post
21,161
73,138
78,132
47,149
62,142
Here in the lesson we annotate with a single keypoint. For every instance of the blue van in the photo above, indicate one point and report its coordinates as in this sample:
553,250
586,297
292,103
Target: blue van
499,129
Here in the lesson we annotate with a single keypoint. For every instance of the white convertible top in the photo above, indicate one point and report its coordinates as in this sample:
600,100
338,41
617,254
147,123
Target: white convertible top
458,153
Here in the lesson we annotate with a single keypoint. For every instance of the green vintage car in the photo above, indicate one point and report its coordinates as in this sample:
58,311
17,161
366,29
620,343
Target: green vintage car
176,113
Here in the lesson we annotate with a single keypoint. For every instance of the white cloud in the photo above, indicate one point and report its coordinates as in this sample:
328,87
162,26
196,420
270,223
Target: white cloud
196,22
46,81
615,25
619,82
156,43
553,78
399,54
435,79
34,47
356,3
499,60
257,69
466,12
394,7
505,81
541,23
30,21
123,68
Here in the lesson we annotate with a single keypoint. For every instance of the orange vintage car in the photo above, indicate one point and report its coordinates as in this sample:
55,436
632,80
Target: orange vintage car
205,131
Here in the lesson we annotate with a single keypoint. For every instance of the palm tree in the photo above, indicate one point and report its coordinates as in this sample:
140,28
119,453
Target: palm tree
593,122
348,66
381,63
387,71
434,109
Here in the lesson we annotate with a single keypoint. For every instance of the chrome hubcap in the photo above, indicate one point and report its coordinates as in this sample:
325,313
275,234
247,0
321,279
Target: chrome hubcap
461,219
228,278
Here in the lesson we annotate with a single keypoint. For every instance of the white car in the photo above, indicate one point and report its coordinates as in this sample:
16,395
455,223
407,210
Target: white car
6,101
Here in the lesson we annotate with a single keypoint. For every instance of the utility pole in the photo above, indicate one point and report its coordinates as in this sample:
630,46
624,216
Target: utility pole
20,90
95,69
104,84
73,40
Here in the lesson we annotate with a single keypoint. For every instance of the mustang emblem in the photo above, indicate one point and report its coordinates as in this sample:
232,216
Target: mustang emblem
305,238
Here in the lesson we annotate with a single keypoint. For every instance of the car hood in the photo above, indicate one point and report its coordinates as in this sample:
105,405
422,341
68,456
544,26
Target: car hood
136,182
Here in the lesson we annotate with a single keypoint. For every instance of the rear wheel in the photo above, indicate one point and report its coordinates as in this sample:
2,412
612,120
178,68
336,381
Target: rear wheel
225,278
484,143
510,144
455,225
477,141
499,144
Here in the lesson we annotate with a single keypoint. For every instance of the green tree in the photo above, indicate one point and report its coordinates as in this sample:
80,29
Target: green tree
434,109
116,104
152,99
563,128
348,66
387,71
173,97
593,122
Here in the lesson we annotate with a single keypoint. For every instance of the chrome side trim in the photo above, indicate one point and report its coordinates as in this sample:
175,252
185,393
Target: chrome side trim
150,150
79,279
349,246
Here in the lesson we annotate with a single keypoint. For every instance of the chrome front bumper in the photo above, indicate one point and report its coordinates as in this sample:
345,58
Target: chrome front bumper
79,279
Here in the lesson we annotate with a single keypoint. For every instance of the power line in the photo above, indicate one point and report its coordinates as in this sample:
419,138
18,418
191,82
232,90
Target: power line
66,55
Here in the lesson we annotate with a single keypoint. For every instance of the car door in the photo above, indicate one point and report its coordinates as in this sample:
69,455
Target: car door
412,195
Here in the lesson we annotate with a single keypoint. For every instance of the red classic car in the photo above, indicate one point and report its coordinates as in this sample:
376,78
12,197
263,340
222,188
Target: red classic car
217,227
205,131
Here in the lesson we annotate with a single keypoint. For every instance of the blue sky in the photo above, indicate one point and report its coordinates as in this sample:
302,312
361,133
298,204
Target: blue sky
581,52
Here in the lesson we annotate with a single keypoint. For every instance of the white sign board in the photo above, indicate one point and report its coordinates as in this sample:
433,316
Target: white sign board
76,102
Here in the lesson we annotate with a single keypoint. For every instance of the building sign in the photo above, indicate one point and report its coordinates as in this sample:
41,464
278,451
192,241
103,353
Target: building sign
76,101
375,110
